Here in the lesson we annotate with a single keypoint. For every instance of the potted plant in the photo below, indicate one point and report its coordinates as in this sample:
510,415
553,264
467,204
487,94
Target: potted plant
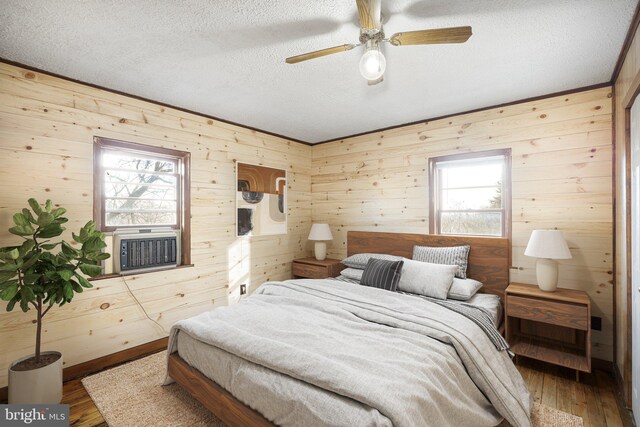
33,276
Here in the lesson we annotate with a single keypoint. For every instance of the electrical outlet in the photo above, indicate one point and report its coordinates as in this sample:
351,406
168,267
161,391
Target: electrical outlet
596,323
243,289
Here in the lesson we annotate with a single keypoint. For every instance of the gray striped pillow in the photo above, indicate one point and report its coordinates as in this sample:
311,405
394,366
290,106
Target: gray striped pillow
383,274
360,261
453,255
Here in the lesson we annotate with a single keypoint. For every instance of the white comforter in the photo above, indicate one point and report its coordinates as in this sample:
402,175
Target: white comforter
402,360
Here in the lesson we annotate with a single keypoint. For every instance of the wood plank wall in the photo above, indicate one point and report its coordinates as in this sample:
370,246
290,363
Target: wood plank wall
561,178
562,167
625,84
47,126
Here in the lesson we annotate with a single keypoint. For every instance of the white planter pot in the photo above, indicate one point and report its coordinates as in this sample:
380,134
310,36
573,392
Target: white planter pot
41,385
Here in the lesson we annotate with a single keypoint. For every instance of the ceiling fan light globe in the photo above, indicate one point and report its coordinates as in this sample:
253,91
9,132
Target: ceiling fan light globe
372,64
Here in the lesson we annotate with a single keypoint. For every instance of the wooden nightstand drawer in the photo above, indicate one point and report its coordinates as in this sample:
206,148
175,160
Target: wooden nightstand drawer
309,271
555,313
311,268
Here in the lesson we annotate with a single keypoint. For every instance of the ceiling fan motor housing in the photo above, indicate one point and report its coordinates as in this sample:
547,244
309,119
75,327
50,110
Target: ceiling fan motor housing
367,34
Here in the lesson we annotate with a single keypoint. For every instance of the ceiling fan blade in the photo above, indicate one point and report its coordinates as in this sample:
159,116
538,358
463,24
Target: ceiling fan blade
437,36
319,53
369,13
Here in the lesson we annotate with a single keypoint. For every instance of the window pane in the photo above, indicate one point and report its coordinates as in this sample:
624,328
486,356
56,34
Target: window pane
477,223
476,198
114,176
140,211
139,190
137,162
146,191
141,218
128,205
470,174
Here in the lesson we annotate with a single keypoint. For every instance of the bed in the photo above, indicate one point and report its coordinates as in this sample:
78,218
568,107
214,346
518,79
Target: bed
291,354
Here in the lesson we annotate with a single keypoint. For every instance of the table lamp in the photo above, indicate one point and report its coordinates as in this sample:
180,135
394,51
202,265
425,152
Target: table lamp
547,246
320,233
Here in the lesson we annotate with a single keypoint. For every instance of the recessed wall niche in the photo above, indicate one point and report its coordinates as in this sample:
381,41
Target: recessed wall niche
261,200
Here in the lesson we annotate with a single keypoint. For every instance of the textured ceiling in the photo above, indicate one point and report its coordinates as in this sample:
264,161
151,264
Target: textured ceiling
226,58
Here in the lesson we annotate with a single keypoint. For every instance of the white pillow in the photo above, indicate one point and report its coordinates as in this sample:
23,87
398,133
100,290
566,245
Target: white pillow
463,289
352,273
360,260
423,278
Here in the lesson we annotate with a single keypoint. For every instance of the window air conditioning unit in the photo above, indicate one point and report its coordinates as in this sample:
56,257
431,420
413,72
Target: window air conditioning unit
141,250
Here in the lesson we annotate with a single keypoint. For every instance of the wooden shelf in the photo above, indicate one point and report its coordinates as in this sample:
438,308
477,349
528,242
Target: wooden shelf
555,352
114,275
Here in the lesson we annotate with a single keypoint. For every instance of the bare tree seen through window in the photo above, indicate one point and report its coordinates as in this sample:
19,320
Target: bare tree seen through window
140,191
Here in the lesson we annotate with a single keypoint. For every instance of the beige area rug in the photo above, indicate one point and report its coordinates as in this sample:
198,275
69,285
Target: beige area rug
132,395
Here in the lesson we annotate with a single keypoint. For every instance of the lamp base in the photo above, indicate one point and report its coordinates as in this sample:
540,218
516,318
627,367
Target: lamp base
547,274
320,250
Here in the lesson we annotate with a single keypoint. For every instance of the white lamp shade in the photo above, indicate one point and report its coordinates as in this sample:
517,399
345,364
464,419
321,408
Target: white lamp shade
547,244
320,232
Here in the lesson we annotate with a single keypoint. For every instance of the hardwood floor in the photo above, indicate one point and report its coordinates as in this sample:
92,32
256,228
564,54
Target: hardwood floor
593,398
82,410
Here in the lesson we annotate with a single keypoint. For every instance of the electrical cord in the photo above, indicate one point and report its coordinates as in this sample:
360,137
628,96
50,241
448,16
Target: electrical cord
141,307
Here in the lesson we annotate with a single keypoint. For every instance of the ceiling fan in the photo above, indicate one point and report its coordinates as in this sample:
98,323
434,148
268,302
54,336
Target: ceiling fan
373,62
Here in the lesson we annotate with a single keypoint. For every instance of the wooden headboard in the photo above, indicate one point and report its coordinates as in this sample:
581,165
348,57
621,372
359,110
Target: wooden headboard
489,257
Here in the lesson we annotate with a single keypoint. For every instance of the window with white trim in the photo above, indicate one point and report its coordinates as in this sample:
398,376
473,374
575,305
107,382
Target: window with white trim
470,194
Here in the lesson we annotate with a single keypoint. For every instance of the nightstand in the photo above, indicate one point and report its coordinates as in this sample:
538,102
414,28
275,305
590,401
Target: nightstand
311,268
553,327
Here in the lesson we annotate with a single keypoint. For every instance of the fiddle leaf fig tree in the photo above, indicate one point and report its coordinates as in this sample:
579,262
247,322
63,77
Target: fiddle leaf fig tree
32,275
